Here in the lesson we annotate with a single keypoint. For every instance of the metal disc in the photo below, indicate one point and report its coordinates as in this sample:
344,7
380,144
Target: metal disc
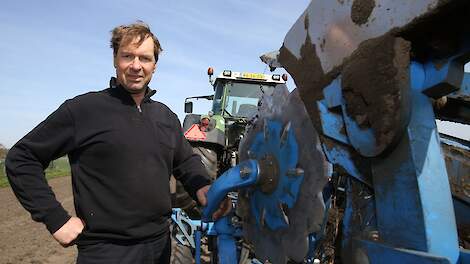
304,216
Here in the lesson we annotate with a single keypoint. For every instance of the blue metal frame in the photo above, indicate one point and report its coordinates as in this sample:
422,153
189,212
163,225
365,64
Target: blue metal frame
411,212
413,204
413,197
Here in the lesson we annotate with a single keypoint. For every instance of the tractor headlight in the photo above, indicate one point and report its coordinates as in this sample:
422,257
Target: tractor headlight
227,73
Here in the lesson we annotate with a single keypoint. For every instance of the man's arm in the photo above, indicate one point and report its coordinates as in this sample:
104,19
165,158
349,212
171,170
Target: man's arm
27,160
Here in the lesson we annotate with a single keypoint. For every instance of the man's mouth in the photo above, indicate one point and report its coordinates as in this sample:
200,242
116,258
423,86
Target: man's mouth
134,77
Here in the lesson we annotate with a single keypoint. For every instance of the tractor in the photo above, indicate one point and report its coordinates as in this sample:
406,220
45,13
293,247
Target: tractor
215,136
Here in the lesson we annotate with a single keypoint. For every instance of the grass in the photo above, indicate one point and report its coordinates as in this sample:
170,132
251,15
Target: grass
58,168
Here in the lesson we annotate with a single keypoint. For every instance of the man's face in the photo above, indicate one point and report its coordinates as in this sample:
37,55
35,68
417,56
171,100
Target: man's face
135,65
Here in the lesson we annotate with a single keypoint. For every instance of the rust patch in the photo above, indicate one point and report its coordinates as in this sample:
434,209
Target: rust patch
361,11
458,170
375,84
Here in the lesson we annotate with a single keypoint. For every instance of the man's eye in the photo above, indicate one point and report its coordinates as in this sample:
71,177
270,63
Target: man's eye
146,59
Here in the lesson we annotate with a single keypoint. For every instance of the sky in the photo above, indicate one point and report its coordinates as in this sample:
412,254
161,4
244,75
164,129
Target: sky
53,50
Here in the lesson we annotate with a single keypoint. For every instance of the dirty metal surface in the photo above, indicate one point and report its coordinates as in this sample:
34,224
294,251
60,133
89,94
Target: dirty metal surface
306,215
337,28
413,202
318,45
375,85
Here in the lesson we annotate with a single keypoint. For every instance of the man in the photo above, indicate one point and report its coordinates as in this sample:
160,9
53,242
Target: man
122,147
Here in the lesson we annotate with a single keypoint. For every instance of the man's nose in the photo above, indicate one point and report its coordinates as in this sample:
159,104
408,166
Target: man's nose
136,65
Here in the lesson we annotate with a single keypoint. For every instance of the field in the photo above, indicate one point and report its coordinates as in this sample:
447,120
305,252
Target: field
57,168
23,241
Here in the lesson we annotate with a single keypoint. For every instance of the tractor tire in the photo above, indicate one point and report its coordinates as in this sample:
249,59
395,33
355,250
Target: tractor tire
209,159
181,198
180,254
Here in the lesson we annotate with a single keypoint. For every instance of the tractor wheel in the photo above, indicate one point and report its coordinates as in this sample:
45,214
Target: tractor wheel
180,254
209,159
182,199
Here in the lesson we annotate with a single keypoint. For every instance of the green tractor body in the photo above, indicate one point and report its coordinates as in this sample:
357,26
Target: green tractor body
234,103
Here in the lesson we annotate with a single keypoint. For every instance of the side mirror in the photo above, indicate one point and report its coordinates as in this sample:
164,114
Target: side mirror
188,107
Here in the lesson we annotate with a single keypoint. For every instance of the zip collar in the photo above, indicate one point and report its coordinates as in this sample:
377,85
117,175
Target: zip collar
124,94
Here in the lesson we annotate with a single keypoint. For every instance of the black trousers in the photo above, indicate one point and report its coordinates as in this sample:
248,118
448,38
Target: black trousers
154,252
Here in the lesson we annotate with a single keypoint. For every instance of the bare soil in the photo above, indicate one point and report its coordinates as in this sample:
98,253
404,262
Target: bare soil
24,241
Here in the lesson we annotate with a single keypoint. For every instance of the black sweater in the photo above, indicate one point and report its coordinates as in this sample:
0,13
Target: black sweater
121,160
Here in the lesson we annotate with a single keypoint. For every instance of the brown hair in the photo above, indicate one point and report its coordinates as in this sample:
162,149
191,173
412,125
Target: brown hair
124,34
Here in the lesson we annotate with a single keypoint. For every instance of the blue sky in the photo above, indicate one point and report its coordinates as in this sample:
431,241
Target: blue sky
53,50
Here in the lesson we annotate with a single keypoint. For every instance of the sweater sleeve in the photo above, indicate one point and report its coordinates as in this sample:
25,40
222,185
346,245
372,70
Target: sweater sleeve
29,157
187,166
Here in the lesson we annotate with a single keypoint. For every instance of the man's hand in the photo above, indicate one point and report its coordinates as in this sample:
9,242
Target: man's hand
224,208
69,231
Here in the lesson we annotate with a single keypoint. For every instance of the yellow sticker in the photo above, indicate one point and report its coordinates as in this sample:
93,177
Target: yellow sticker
250,75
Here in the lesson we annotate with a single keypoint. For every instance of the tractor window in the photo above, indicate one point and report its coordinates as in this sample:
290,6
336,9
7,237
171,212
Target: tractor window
242,99
217,104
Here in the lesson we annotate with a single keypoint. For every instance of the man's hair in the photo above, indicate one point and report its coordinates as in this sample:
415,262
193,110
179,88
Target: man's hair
125,34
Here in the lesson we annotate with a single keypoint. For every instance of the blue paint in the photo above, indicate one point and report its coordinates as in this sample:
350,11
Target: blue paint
433,183
210,230
414,207
342,156
464,256
381,253
332,123
225,241
197,250
333,94
229,181
288,187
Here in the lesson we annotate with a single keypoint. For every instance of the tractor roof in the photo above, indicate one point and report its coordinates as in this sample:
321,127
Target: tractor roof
250,77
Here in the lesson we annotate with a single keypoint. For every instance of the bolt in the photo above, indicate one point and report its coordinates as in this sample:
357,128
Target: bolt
296,172
235,221
244,172
374,235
